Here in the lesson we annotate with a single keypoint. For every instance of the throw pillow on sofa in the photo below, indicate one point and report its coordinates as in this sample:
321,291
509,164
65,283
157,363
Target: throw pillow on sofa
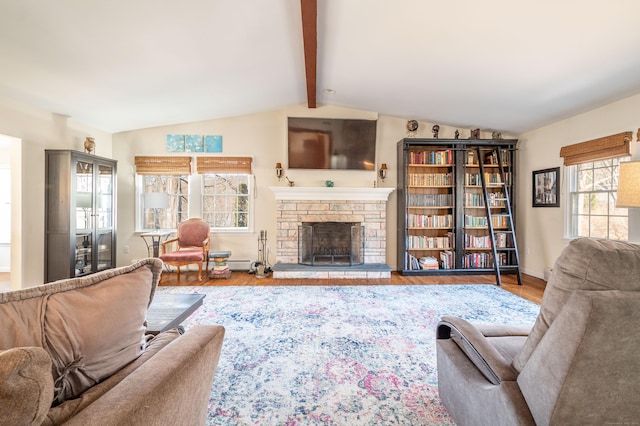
90,326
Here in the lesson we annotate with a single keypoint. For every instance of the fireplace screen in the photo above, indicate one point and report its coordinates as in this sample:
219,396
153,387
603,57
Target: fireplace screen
330,243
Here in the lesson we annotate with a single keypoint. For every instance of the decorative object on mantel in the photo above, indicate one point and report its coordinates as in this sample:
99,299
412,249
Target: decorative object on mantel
89,145
412,128
279,170
290,182
475,134
346,193
629,185
383,171
496,135
457,134
328,183
435,129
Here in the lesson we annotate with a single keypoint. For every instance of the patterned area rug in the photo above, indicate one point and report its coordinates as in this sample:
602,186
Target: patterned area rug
357,355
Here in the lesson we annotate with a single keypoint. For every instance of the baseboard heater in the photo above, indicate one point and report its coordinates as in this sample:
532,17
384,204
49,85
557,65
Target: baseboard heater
239,264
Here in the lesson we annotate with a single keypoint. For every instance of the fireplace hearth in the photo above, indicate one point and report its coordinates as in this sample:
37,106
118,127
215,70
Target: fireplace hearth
330,243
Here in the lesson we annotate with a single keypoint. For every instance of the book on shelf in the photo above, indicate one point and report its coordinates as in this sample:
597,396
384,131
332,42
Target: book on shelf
428,263
431,179
447,259
430,242
429,200
444,157
429,220
411,262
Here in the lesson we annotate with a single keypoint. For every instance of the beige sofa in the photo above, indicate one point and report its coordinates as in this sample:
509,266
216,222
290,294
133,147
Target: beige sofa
75,352
578,365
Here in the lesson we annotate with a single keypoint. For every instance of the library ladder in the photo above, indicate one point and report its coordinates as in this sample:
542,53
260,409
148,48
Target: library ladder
501,226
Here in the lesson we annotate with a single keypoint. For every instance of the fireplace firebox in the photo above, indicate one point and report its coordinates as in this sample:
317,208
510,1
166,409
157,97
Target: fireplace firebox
330,243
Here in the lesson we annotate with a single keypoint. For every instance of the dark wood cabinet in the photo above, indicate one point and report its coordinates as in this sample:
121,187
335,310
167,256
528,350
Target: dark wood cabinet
443,220
80,214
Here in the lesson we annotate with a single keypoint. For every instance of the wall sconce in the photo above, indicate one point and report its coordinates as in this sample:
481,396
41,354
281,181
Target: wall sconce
383,171
629,184
279,170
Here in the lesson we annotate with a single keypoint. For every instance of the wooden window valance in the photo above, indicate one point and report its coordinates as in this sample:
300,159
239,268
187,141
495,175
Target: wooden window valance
223,165
163,165
613,146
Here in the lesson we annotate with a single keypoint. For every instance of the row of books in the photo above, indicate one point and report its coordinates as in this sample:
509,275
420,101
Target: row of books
496,199
447,261
429,263
482,260
430,221
491,179
422,241
472,241
489,158
492,158
431,179
480,242
432,157
429,200
498,221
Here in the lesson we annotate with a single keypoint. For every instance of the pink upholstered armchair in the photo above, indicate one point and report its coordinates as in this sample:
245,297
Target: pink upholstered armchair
191,245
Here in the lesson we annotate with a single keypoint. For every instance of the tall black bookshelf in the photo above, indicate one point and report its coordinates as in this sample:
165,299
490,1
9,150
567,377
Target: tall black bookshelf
450,219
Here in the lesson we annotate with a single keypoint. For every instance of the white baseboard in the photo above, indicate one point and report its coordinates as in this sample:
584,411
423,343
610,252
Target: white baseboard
536,274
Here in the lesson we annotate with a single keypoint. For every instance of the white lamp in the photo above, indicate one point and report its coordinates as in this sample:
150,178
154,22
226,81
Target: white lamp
155,201
629,185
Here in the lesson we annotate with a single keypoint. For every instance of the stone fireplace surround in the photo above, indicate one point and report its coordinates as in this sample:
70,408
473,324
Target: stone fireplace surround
296,205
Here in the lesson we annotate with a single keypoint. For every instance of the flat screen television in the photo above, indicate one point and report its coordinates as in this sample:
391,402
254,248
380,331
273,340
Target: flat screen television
331,143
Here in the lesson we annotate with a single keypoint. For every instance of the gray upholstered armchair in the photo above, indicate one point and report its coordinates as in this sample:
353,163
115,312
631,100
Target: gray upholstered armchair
578,365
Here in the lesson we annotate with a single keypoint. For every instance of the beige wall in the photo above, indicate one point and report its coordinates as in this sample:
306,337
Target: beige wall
541,230
264,137
35,131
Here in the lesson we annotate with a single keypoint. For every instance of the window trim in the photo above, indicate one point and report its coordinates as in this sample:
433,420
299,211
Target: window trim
251,213
194,205
570,219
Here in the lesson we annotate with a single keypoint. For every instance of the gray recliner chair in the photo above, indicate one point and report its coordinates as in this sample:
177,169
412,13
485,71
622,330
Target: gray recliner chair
578,365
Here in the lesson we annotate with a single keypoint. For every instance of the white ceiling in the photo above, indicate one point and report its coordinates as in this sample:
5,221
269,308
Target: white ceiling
504,65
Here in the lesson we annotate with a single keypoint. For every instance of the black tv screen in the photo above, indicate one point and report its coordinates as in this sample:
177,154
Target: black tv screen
331,143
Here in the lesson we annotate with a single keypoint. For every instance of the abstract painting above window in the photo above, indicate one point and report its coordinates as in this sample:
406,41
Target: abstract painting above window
194,143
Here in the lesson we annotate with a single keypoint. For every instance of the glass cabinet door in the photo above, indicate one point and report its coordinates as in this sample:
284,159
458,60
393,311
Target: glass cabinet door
104,216
84,217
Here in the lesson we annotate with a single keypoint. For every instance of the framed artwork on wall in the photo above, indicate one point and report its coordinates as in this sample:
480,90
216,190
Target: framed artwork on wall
545,188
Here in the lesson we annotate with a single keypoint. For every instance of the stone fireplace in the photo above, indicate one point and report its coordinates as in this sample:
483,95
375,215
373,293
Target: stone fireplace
365,207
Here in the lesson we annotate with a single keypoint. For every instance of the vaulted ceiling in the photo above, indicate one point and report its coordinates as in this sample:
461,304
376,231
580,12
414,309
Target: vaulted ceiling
503,65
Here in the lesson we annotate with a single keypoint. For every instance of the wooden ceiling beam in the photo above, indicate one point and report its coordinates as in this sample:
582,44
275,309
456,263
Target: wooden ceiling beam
310,39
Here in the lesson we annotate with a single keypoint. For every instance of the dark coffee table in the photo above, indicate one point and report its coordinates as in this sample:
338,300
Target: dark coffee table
167,311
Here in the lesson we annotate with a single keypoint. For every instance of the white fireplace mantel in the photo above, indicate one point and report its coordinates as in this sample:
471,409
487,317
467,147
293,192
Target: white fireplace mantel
330,193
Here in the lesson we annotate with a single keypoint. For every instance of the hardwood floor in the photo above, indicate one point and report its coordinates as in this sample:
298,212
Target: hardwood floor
531,289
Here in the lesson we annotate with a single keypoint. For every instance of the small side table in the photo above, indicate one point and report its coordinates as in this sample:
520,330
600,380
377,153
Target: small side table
153,240
220,266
